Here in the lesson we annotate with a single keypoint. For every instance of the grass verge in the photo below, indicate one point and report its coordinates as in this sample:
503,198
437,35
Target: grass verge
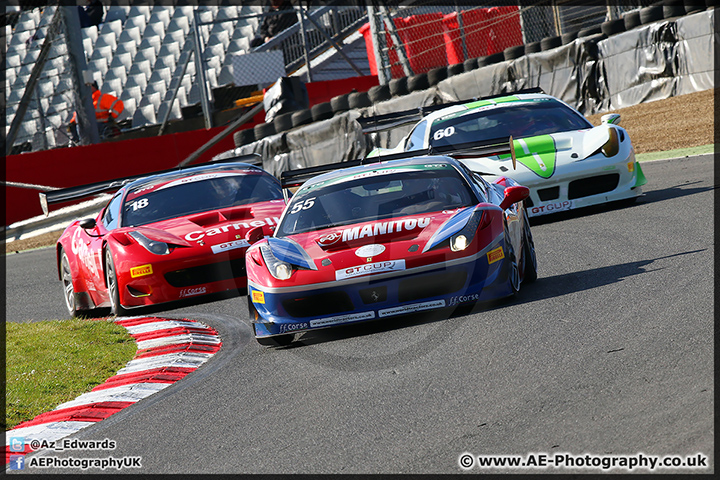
52,362
677,153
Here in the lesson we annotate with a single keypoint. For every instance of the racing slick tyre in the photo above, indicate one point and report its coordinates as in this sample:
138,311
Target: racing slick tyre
301,117
529,257
112,285
321,111
455,69
244,137
283,122
379,93
514,273
68,289
470,64
548,43
493,58
516,51
612,27
418,82
651,14
632,20
568,37
436,75
398,87
532,47
340,103
359,100
673,8
263,130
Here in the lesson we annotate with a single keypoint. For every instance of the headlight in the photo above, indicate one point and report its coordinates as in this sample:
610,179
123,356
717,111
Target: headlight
612,146
152,246
458,243
278,269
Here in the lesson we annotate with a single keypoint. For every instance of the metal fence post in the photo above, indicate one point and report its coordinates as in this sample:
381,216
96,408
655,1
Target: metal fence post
402,56
383,75
200,71
87,124
306,51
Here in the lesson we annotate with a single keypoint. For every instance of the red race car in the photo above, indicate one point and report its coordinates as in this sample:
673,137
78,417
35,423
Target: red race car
173,235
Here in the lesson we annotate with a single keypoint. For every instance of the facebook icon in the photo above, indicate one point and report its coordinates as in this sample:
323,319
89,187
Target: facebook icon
17,462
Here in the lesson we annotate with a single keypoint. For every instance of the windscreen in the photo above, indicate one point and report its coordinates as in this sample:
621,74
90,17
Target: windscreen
379,195
519,119
195,194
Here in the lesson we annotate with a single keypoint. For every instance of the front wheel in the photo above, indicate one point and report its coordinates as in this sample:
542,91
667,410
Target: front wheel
514,273
530,260
68,288
112,285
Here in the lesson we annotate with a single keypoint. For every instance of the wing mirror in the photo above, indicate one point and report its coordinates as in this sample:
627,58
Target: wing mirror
254,235
514,194
87,223
611,118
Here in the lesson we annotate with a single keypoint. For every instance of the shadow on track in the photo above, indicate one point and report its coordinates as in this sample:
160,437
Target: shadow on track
544,288
652,196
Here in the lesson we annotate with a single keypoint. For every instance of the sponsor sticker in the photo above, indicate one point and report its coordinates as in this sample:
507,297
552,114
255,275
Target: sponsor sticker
370,268
205,176
141,271
350,317
495,255
292,327
370,250
227,246
258,297
415,307
197,235
329,239
189,292
463,299
375,229
552,207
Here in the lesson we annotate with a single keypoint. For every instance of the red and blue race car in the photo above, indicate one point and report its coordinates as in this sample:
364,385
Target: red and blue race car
375,241
171,236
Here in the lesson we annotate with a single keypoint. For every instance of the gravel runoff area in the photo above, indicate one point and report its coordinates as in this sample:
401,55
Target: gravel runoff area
677,122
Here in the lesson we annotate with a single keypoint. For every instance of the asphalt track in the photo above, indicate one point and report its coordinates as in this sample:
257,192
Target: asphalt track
609,353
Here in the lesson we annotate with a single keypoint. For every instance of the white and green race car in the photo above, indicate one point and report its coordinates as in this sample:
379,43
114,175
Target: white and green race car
565,161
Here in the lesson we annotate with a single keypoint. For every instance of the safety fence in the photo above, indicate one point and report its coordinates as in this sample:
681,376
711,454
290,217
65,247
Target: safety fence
413,39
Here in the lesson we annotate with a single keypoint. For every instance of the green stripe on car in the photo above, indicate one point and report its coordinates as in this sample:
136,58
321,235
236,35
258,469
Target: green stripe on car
485,103
539,154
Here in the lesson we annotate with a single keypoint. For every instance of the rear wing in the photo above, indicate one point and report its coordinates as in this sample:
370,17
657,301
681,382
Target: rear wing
388,121
499,146
83,191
